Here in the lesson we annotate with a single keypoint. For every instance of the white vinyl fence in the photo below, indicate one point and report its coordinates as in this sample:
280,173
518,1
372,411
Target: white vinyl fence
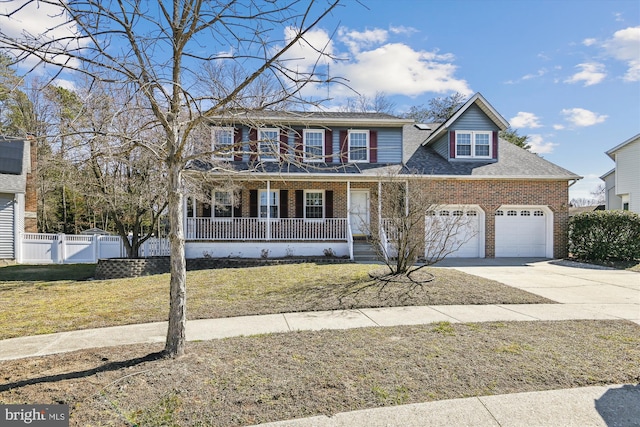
40,248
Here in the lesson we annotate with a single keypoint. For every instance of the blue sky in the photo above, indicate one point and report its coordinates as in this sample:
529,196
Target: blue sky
564,72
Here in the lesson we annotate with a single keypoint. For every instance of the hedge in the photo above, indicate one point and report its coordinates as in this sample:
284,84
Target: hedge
605,236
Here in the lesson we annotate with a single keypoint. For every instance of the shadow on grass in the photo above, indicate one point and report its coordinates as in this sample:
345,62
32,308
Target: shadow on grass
46,273
112,366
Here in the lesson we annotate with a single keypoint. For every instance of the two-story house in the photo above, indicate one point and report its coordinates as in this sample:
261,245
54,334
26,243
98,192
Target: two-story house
622,183
307,183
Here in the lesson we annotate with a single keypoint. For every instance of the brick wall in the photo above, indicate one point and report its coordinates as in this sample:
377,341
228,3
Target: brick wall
488,194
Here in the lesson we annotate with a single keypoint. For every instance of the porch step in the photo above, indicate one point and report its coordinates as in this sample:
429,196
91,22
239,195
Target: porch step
364,252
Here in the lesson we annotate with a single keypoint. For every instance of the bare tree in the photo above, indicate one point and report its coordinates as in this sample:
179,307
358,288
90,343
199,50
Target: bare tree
380,103
416,229
157,48
439,109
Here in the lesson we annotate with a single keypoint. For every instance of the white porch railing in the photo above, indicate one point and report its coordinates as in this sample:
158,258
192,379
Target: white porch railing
41,248
260,229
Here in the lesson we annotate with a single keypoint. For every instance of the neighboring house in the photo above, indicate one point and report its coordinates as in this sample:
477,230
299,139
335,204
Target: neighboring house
18,203
622,184
306,184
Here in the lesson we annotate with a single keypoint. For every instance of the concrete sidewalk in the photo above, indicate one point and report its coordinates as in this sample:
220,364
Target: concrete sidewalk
208,329
617,405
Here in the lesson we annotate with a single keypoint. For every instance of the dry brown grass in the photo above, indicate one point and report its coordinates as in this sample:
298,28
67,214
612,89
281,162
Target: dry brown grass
41,306
248,380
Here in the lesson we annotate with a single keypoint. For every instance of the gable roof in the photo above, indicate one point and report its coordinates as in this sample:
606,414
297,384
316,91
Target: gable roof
477,100
611,153
513,162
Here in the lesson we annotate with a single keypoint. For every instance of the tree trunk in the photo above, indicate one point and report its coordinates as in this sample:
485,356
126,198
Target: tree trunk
176,336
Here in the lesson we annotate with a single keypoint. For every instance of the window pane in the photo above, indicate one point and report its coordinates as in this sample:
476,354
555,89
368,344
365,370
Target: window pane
482,144
269,145
222,205
273,202
313,205
313,144
222,141
358,146
463,144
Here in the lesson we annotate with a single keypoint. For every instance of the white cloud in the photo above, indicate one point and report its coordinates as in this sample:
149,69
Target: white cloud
403,30
358,40
373,65
558,127
42,21
305,54
398,69
525,120
625,46
591,73
589,42
539,145
581,118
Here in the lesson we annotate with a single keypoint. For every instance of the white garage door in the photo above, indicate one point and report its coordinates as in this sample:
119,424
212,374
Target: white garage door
6,226
521,232
456,230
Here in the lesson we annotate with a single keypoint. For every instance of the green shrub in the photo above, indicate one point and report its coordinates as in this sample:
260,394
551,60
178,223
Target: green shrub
605,236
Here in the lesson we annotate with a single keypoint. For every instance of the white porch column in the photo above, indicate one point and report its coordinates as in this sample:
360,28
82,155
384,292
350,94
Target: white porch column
268,231
379,206
349,233
406,198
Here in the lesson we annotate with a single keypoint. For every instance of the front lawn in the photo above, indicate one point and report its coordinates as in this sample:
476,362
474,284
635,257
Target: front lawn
249,380
39,305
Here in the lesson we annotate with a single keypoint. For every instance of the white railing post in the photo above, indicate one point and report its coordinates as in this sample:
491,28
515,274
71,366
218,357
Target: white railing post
61,249
95,242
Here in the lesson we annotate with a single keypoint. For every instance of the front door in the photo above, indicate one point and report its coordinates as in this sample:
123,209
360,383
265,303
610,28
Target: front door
359,212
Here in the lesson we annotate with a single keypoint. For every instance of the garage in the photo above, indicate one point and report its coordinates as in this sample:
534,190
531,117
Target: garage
523,232
455,229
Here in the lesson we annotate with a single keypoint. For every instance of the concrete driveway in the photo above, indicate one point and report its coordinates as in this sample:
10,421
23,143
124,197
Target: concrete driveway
601,289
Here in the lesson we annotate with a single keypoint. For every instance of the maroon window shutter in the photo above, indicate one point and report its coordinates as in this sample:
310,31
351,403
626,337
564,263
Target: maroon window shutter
284,203
328,146
237,144
344,146
328,209
253,203
237,208
299,148
495,144
253,144
373,146
284,142
452,144
299,203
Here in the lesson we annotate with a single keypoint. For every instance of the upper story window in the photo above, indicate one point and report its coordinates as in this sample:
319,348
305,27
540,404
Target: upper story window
222,142
358,145
313,140
269,143
473,144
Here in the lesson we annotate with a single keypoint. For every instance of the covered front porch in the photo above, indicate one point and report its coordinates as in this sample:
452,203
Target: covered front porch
280,219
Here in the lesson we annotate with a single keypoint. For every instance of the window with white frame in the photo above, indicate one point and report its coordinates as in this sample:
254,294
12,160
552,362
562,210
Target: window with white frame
473,144
269,202
269,143
313,204
222,142
313,141
222,204
358,145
